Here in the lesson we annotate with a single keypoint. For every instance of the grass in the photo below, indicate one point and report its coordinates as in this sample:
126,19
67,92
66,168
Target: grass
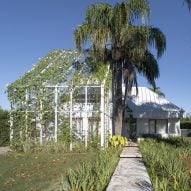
168,163
36,172
47,168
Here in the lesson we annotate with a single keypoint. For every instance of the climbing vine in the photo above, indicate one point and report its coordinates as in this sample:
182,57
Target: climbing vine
32,96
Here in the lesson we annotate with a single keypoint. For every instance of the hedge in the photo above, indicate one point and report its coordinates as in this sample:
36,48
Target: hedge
185,125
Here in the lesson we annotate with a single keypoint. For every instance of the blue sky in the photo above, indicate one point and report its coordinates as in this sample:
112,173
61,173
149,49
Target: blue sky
29,29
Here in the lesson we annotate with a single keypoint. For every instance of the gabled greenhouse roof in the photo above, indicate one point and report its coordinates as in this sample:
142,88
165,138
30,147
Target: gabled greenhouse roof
60,67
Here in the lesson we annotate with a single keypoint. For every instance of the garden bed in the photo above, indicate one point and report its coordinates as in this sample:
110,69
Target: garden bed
168,163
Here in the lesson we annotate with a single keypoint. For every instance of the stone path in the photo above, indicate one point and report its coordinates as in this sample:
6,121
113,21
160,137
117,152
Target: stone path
130,173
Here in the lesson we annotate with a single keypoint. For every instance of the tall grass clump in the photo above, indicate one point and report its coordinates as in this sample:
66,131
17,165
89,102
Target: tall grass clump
93,175
164,162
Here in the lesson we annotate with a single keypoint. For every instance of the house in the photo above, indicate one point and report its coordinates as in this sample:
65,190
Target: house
59,95
149,113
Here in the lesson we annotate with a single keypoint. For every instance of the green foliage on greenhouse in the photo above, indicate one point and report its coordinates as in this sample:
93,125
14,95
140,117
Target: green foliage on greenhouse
32,96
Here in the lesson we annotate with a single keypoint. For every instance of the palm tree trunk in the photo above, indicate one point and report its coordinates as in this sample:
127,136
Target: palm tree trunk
118,100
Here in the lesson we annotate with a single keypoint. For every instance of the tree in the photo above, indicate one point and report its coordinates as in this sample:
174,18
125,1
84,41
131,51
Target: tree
113,37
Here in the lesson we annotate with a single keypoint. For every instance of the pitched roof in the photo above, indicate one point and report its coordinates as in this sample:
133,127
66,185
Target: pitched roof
148,104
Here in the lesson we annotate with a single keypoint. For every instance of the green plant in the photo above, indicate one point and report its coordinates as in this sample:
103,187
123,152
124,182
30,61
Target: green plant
50,147
4,127
17,144
64,131
33,102
165,164
185,124
118,141
93,175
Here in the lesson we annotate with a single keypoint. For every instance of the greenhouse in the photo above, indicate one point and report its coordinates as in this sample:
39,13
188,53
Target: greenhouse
65,96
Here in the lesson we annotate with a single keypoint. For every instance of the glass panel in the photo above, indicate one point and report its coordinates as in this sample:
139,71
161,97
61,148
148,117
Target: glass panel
161,126
152,127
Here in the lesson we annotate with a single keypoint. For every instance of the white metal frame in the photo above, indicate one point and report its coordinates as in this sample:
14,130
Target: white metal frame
105,114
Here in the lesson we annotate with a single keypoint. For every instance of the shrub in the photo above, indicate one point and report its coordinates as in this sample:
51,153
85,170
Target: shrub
185,125
17,144
118,141
4,127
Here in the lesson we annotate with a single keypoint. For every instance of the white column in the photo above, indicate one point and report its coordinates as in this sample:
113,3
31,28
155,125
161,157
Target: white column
56,115
11,123
41,122
71,120
102,116
85,129
85,122
26,114
110,122
110,106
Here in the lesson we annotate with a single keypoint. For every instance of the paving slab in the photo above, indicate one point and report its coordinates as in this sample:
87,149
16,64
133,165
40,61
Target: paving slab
131,152
132,144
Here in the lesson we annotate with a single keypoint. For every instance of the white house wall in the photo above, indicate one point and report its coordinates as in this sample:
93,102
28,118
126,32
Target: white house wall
174,127
161,127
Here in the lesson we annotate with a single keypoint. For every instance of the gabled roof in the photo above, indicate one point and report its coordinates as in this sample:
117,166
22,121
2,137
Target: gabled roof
148,104
61,67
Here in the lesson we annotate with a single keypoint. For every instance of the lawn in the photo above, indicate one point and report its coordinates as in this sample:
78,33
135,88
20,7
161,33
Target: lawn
168,163
79,170
22,171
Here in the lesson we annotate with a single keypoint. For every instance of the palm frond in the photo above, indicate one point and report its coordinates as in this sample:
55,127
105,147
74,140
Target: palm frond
188,2
81,35
157,38
99,14
140,8
149,68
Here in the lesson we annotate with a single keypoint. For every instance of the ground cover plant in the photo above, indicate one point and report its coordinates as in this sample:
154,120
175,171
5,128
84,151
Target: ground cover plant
93,175
168,163
50,169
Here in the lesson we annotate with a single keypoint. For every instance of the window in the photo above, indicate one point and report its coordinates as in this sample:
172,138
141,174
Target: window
161,126
152,126
158,126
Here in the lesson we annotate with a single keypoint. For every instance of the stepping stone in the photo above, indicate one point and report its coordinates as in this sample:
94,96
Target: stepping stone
131,152
132,144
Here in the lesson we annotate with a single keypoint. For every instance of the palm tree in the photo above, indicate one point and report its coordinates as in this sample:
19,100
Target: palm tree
112,36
